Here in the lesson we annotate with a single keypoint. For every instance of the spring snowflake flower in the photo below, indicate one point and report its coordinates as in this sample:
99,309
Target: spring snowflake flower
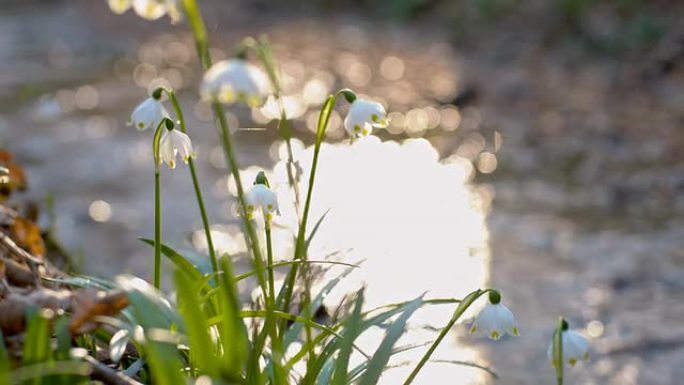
363,116
173,142
575,347
148,114
148,9
119,6
235,80
495,319
262,197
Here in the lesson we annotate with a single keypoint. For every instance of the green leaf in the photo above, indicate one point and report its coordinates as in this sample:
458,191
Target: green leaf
315,228
37,342
5,369
202,350
156,317
233,333
351,332
180,261
382,355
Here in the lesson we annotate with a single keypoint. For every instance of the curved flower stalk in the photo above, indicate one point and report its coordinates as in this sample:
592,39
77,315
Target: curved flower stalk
363,116
574,347
495,319
149,113
235,81
466,302
148,9
567,346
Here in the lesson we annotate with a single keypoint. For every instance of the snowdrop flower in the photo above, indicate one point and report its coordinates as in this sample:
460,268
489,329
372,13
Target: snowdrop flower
575,346
148,9
495,319
119,6
260,196
363,116
149,113
171,143
235,80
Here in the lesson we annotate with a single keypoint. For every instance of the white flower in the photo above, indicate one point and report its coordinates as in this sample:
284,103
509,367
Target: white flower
363,116
148,114
235,80
575,347
119,6
149,9
172,142
495,320
175,10
261,197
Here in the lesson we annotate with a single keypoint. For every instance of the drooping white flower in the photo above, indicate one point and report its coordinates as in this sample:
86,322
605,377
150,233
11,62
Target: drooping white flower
150,9
175,10
119,6
574,347
235,80
263,198
363,116
173,142
148,114
495,320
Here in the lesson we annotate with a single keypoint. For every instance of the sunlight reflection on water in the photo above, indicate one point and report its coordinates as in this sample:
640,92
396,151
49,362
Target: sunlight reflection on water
417,224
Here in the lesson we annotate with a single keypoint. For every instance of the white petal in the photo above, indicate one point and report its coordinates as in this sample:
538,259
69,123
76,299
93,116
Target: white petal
182,143
167,151
235,80
148,114
261,197
149,9
175,10
119,6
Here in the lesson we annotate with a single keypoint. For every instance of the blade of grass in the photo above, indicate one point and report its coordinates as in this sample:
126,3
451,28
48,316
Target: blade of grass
382,355
202,351
350,333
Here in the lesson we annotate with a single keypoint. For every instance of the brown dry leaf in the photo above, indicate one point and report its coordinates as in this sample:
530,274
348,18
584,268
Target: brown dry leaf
27,236
90,303
13,308
15,174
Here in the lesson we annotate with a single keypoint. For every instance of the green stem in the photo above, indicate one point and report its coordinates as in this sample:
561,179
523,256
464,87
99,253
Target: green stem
271,324
157,204
269,253
157,230
196,185
558,351
285,296
200,33
462,307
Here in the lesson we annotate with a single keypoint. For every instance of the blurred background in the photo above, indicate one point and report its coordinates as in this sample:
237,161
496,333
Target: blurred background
534,146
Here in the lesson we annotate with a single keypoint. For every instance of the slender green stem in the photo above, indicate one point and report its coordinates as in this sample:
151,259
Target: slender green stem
285,296
200,33
558,350
157,230
157,204
269,254
460,309
196,185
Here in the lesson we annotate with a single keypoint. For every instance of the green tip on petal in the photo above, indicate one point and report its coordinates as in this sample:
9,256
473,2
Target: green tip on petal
516,332
495,335
473,329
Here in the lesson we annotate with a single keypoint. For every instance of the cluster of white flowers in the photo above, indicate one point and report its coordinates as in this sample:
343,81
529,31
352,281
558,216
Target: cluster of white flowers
150,114
495,320
149,9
